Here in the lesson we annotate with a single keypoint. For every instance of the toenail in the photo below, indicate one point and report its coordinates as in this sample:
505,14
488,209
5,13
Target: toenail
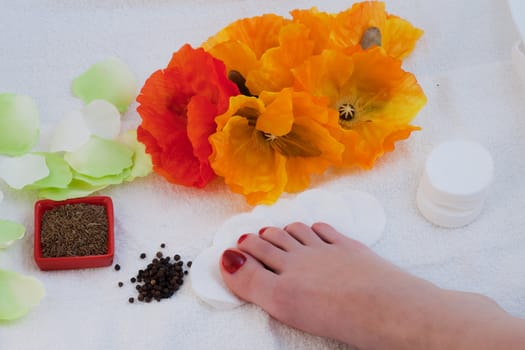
261,231
242,238
232,260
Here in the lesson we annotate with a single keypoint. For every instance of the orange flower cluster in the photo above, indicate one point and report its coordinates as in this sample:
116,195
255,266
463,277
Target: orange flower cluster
269,101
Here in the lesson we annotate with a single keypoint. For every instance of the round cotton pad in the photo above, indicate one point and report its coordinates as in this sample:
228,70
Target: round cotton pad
459,170
444,216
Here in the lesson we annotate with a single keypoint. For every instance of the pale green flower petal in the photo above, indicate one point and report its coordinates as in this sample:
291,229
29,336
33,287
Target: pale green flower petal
19,172
102,119
9,232
100,157
19,124
142,165
105,180
75,189
70,133
109,80
18,294
60,174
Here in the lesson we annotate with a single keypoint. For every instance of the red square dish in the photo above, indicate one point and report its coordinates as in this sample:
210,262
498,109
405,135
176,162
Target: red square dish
73,262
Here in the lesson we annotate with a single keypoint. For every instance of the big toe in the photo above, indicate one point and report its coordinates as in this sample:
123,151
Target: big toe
247,278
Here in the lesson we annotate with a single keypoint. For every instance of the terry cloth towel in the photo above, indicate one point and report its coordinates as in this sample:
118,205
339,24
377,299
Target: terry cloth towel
463,62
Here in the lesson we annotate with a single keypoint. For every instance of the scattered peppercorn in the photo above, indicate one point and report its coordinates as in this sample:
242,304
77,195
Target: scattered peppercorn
160,279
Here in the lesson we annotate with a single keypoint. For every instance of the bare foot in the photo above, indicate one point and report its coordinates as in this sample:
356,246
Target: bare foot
319,281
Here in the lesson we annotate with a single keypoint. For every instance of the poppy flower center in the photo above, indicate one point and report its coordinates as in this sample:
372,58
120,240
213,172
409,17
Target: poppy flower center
371,37
346,112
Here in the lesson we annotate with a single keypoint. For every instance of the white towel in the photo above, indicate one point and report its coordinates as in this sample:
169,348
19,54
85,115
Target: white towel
462,62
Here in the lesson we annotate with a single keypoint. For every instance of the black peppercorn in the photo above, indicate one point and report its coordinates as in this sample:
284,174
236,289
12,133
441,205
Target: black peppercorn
117,267
133,280
163,245
120,284
131,300
143,256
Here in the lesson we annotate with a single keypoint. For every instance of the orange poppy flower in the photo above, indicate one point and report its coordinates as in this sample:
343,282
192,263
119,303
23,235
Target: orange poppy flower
271,144
374,97
178,106
366,24
241,44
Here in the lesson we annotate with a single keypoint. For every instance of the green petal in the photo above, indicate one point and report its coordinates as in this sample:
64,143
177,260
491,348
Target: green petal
18,294
142,165
75,189
9,232
109,80
99,158
19,124
105,180
19,172
60,174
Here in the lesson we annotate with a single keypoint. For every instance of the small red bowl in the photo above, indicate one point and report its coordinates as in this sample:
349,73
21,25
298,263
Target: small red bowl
73,262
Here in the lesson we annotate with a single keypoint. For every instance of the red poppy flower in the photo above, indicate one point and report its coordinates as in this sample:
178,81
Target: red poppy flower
178,106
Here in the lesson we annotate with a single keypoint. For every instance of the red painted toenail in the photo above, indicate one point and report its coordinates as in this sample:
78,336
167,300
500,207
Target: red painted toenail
261,231
242,238
232,260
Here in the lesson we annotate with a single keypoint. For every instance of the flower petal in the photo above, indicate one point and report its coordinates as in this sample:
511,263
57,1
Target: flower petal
19,124
70,133
18,294
142,165
19,172
75,189
9,232
102,118
100,157
59,173
277,118
109,80
247,163
259,33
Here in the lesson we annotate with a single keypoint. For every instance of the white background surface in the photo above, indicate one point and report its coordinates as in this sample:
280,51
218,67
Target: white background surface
463,64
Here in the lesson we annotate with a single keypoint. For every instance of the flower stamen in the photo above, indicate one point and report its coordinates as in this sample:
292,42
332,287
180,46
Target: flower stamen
346,112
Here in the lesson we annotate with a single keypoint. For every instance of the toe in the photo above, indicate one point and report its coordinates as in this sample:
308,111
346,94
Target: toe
280,238
268,254
327,233
303,233
247,278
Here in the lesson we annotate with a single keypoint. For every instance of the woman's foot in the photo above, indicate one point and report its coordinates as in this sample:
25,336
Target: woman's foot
318,280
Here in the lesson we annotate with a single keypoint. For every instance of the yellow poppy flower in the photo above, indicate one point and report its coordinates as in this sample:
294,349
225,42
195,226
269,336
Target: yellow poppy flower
271,144
365,25
374,97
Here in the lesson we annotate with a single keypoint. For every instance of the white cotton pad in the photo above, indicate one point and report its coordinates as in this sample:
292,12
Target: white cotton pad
454,183
459,171
354,213
369,217
445,216
207,282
